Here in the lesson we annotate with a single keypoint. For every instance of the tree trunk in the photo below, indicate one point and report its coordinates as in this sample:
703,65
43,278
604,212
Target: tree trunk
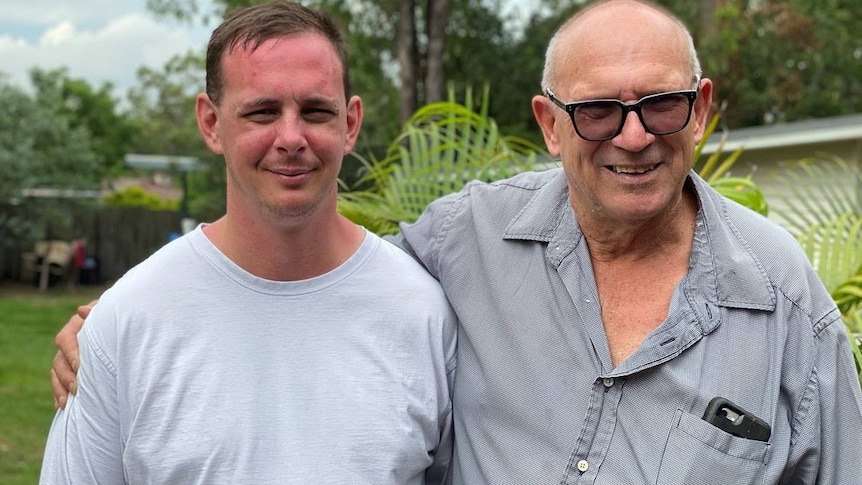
435,77
407,57
708,24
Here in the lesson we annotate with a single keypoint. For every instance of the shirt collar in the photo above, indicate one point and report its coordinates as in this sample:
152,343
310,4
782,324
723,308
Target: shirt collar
723,268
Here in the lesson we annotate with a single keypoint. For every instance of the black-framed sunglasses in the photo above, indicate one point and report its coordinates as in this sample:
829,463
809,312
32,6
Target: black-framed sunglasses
603,119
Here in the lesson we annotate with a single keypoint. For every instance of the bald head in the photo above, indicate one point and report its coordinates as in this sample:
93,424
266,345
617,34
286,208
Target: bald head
622,30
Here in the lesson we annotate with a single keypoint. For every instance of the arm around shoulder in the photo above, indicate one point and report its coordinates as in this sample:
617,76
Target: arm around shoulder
65,365
84,443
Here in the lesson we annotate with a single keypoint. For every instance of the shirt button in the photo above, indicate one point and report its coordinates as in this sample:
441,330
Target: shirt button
583,466
608,381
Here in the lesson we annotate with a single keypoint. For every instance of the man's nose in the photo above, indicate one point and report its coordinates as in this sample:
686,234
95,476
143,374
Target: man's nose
290,134
634,137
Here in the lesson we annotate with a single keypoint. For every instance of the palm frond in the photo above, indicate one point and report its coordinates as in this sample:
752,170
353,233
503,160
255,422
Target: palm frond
820,208
848,296
716,172
742,190
817,190
713,168
854,329
441,148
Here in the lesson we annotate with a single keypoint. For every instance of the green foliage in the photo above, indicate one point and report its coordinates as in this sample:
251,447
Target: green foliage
369,31
773,60
854,324
207,194
39,146
848,293
40,149
442,147
715,171
134,196
517,73
17,144
163,108
87,108
779,60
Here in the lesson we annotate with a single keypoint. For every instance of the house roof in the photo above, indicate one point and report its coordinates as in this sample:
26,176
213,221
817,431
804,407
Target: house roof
820,130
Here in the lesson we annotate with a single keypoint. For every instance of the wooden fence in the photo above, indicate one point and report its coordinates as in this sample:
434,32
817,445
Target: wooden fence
115,238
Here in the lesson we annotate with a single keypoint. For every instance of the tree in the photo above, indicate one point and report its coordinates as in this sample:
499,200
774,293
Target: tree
435,75
40,149
95,110
162,108
515,72
407,55
420,53
16,141
772,60
779,60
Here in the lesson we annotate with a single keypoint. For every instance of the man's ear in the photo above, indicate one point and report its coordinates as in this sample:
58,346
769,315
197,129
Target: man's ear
702,105
207,114
543,111
354,122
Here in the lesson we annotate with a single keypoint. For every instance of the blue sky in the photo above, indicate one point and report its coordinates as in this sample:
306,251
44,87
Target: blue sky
97,40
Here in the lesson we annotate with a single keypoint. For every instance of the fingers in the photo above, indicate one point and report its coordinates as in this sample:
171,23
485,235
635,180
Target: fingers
63,379
67,361
84,310
60,392
67,341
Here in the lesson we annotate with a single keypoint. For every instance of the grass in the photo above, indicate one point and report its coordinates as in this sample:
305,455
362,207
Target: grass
28,322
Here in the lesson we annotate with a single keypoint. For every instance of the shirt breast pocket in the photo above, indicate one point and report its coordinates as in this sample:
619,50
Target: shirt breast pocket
697,452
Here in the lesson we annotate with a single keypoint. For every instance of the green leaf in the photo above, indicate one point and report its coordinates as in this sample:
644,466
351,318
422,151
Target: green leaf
442,147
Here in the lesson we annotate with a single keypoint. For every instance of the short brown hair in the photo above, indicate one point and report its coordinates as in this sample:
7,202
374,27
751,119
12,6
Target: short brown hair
252,26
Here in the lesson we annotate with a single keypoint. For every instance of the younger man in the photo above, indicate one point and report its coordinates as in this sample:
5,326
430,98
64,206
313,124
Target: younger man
281,343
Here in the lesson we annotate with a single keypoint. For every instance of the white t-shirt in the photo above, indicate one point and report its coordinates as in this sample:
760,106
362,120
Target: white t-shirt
195,371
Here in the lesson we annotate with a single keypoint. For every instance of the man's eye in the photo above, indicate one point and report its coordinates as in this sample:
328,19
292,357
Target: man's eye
598,111
261,115
318,115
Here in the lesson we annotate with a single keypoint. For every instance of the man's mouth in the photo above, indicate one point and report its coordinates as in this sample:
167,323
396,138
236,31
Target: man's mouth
290,172
632,170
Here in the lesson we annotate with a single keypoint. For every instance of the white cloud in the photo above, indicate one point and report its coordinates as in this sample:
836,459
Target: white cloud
52,12
58,35
106,45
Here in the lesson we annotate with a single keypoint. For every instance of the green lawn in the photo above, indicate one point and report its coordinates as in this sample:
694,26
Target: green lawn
28,322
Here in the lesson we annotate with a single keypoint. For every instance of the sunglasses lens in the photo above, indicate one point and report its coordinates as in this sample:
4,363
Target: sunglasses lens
666,113
598,120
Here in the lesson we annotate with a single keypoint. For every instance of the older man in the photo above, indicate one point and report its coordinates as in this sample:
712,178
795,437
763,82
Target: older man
603,306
